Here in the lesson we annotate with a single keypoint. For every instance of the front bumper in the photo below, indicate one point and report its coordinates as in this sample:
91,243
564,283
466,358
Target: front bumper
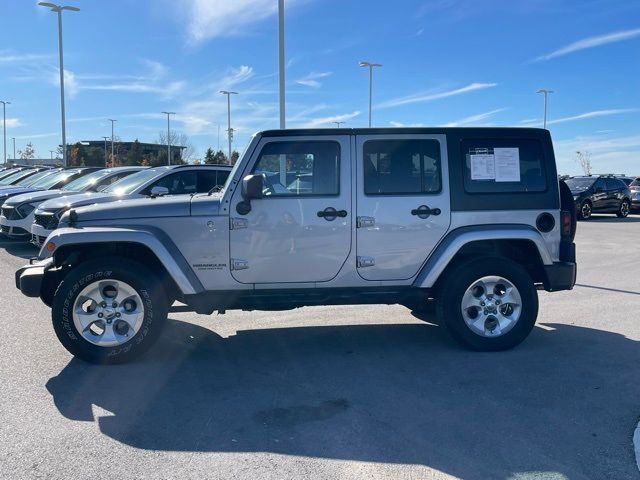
29,278
16,228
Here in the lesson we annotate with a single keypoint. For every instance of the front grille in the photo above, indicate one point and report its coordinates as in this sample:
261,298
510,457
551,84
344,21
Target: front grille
37,240
48,221
9,213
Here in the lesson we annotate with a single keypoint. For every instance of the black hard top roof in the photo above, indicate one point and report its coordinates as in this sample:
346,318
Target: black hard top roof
402,130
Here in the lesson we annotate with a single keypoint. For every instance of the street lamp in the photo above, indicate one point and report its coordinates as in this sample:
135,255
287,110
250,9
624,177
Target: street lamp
105,150
338,123
229,130
281,66
370,66
546,93
14,148
168,114
58,9
4,128
113,158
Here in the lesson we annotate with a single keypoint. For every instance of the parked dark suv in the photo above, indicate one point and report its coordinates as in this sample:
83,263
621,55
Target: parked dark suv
600,194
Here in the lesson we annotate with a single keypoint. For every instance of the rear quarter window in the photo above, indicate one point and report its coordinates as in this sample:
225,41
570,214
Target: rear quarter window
503,165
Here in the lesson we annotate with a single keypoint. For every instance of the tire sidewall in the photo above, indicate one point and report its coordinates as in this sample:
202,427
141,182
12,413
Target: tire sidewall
455,285
132,273
588,216
620,213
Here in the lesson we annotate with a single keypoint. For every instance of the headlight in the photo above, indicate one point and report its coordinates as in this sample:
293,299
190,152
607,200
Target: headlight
25,209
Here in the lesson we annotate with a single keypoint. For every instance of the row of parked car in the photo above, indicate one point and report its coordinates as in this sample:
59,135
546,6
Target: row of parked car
609,193
33,199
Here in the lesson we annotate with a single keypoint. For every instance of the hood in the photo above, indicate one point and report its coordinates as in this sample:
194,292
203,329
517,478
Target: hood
170,206
76,201
37,196
205,205
11,192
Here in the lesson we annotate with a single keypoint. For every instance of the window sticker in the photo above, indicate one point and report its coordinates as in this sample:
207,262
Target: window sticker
482,167
507,164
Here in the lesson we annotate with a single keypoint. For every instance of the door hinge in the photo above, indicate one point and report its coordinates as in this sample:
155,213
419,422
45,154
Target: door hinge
238,223
364,262
364,222
239,264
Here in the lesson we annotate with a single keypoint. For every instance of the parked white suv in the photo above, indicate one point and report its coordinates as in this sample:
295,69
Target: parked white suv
473,219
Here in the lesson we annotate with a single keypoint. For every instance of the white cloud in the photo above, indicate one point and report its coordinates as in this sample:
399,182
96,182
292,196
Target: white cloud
207,19
400,124
235,76
11,123
591,42
21,58
474,119
582,116
429,96
328,121
608,153
312,79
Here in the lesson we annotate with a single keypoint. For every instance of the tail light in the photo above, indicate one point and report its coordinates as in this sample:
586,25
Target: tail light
565,218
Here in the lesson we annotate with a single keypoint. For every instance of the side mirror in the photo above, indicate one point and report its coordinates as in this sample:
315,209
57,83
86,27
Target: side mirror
158,191
252,186
251,189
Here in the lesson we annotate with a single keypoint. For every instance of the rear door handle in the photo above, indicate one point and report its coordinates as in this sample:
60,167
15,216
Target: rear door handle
424,211
331,214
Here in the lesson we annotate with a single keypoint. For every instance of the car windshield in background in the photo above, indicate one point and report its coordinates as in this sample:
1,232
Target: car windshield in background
635,183
579,184
33,178
129,184
16,176
51,180
85,183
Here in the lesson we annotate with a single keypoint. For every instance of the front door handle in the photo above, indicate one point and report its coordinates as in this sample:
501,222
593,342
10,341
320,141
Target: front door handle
425,212
331,214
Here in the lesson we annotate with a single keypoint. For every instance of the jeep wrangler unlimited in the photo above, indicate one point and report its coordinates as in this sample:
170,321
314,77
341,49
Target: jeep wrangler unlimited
473,220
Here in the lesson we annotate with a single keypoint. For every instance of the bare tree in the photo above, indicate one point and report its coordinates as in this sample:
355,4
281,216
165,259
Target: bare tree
29,153
179,140
584,160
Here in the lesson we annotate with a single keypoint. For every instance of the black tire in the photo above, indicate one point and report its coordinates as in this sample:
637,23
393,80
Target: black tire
623,209
147,286
453,286
586,209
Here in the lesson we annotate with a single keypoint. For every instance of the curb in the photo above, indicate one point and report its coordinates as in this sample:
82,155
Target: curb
636,445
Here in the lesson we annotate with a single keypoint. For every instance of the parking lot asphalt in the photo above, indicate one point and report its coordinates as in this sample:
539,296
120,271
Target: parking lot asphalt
336,392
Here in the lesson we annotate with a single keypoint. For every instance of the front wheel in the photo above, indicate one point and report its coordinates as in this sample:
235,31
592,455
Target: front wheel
585,211
488,304
624,209
109,311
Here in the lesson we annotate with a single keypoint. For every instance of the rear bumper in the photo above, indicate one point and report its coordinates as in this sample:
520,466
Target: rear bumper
560,276
29,278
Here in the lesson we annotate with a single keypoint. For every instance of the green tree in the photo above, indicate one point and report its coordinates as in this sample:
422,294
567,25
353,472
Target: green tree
94,157
234,157
220,158
77,155
209,156
134,156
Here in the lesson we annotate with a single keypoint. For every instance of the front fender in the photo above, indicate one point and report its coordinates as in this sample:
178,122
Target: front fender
154,239
455,240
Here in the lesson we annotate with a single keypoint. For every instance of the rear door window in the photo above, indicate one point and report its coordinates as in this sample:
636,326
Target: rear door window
503,165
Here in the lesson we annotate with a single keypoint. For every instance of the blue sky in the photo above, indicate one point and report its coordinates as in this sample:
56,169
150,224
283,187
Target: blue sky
446,62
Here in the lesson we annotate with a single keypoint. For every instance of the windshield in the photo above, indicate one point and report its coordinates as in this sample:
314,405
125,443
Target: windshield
128,184
88,181
7,173
16,176
50,180
579,184
33,178
635,183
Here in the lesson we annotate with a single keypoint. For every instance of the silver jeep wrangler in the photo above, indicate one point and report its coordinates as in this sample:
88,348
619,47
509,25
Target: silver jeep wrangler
473,221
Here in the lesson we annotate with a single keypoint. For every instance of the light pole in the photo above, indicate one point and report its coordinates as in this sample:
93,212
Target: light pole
51,153
4,127
58,9
229,130
338,123
370,66
168,114
281,60
113,158
105,150
546,93
14,148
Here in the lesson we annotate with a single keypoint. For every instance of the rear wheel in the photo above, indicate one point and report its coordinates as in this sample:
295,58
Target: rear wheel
585,210
625,208
109,311
488,304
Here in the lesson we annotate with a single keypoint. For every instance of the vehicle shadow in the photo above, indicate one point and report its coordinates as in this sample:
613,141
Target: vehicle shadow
564,402
19,248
